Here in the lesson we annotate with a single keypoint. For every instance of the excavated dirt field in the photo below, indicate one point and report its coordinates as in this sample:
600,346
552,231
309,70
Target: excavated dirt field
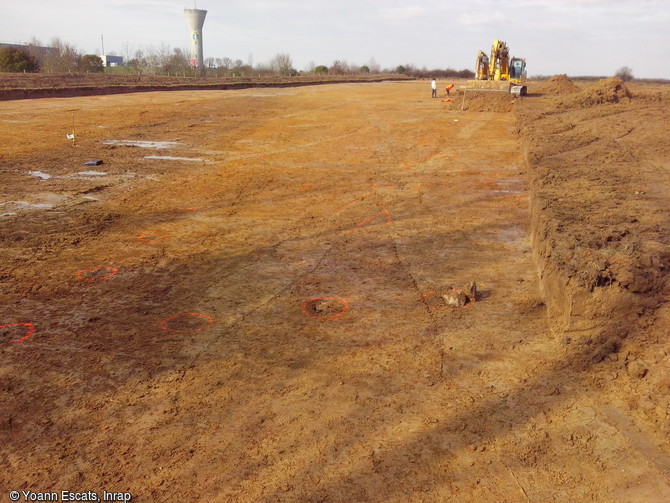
243,303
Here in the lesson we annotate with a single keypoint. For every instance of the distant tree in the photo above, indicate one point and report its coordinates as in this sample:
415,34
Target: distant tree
177,62
281,64
337,68
241,70
17,60
127,52
163,60
400,69
225,63
36,50
374,66
625,73
364,69
90,63
138,62
321,70
62,57
210,63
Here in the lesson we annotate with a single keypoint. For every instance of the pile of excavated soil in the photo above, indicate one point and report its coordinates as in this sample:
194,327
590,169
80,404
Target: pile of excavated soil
597,184
600,227
489,102
611,90
557,85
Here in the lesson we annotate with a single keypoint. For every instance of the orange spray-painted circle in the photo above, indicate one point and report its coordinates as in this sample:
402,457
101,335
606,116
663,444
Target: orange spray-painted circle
308,305
97,274
166,321
426,295
31,329
150,238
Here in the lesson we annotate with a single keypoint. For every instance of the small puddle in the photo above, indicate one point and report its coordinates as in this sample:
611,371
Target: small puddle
171,158
510,235
507,191
34,206
158,145
92,173
40,175
47,201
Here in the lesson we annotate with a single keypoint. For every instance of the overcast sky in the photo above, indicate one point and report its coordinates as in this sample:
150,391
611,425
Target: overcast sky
577,37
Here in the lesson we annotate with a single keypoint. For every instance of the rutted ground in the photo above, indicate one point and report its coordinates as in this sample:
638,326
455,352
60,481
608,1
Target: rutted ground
372,195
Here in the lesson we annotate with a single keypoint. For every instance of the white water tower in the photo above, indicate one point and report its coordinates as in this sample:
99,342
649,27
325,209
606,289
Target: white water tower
195,18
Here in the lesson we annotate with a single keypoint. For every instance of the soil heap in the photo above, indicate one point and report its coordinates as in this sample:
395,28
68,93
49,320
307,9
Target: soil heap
557,85
611,90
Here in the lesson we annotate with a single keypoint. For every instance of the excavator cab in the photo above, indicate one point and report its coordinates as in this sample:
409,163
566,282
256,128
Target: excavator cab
517,70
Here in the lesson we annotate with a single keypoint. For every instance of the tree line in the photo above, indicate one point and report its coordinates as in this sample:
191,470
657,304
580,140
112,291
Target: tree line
61,57
57,57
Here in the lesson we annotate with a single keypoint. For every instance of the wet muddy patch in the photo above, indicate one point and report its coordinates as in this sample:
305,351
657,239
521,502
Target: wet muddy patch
157,145
172,158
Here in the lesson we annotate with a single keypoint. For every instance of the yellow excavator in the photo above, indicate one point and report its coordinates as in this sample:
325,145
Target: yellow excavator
499,72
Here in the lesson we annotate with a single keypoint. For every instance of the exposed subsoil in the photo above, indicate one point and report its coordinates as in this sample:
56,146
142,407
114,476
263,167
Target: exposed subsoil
243,303
488,102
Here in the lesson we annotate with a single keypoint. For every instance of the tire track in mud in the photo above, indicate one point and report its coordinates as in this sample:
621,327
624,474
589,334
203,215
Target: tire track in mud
394,149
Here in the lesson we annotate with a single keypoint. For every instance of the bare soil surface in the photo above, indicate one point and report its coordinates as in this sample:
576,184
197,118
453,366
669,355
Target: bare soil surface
243,303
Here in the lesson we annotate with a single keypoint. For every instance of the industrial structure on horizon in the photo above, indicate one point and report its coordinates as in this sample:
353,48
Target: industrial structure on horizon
195,18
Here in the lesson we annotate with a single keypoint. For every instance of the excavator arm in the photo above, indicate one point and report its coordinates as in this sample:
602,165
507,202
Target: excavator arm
482,72
499,66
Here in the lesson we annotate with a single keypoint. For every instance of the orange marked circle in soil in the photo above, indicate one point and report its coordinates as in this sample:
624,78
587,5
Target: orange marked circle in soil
150,238
426,295
325,307
186,322
30,331
97,274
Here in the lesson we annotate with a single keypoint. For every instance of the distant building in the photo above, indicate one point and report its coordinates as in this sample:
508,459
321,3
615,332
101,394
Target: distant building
112,60
36,50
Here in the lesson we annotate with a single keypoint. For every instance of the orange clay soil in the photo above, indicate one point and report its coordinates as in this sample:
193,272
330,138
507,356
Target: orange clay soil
251,311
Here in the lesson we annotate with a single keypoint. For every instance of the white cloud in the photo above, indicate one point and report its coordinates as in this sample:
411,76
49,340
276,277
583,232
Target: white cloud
478,18
404,13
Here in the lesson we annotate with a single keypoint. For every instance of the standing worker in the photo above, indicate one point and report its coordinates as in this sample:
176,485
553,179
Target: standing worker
433,84
449,88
